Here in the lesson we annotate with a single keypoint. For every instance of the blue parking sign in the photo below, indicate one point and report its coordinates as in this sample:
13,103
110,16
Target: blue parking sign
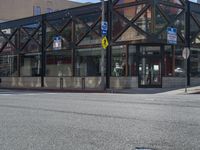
172,36
104,28
104,25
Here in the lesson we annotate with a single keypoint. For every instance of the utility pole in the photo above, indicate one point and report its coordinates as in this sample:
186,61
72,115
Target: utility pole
102,50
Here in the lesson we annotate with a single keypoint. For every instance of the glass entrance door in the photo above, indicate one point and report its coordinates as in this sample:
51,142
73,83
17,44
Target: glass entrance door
150,67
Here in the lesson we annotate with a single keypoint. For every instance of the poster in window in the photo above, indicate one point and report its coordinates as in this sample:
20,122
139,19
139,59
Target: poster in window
57,43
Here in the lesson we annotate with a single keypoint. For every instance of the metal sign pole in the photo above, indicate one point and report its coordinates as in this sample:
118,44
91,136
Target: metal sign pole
186,54
102,51
186,71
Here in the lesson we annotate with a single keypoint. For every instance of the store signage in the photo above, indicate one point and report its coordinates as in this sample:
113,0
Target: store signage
57,42
104,42
104,28
186,53
172,36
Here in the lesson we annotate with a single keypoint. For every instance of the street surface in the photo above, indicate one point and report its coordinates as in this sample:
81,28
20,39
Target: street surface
75,121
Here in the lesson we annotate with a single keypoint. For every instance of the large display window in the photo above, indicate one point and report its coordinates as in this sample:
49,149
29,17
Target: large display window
30,65
8,66
88,62
59,63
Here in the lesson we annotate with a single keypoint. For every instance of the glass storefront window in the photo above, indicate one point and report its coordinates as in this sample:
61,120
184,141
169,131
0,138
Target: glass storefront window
88,62
30,65
174,62
8,66
150,66
86,23
59,63
119,61
93,37
149,50
160,21
130,12
195,62
195,29
169,61
118,25
30,44
9,47
132,61
179,70
144,21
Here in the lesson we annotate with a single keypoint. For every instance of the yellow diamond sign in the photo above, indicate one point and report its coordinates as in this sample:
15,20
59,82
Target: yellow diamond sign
104,42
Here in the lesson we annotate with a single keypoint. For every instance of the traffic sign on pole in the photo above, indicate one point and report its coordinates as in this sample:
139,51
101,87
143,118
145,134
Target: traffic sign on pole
186,53
104,25
104,42
104,28
172,36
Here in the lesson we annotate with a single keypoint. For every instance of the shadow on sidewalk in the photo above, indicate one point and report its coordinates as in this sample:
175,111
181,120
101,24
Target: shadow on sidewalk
145,90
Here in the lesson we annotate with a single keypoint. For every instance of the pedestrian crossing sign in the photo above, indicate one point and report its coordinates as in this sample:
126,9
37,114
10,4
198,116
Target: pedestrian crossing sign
104,42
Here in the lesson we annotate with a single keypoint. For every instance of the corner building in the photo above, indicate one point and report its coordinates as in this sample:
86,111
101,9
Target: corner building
17,9
63,49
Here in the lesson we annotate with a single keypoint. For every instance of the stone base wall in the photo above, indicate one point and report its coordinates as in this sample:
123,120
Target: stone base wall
173,82
20,82
72,82
88,82
123,82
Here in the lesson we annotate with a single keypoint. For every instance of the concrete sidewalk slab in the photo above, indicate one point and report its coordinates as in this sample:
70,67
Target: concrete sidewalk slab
190,90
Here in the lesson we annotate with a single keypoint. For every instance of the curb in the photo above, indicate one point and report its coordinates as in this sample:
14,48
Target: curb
59,90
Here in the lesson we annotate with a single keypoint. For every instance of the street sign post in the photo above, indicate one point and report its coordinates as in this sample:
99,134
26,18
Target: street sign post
104,28
186,55
172,36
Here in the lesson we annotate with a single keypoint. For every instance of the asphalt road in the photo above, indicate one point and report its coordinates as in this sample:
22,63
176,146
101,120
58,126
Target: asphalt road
64,121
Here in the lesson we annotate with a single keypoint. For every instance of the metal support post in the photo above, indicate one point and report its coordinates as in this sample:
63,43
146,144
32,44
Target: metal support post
186,74
102,51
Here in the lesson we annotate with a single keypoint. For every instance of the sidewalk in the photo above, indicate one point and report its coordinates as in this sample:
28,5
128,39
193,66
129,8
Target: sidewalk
191,90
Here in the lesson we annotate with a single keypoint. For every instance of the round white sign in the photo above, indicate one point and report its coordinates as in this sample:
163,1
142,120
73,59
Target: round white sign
186,53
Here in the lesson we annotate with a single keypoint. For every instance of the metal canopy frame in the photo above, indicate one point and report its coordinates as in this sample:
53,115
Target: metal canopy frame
74,16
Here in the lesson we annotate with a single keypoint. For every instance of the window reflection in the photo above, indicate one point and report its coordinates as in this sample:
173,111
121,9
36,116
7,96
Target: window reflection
132,59
88,62
8,66
59,63
195,62
30,65
119,61
179,69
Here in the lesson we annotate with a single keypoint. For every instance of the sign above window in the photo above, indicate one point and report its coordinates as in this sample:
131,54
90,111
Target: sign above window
57,43
172,36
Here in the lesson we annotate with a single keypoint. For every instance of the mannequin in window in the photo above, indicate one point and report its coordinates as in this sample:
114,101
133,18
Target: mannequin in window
117,70
149,77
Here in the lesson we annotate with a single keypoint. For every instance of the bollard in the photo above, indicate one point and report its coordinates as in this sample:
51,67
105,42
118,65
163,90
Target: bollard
61,83
83,83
